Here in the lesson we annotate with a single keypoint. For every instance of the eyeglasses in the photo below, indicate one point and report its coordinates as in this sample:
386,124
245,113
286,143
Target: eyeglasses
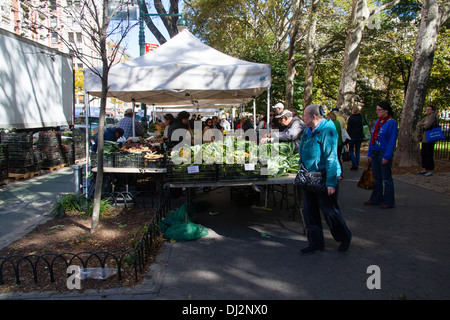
379,109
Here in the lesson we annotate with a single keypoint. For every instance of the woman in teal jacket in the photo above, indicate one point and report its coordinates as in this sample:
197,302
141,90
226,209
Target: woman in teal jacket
318,152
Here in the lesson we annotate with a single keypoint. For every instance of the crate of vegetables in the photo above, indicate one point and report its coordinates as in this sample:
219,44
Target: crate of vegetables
247,171
108,160
128,160
153,160
190,173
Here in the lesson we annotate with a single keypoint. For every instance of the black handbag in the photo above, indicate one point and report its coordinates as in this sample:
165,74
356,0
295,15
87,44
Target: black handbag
346,156
311,181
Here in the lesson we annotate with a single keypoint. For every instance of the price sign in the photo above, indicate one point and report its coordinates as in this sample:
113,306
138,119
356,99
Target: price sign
249,166
193,169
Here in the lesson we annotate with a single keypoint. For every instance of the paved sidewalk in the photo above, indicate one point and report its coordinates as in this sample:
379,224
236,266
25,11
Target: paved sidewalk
25,203
253,254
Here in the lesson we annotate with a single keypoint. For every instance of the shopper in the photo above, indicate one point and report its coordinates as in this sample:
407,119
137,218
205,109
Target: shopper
168,120
126,123
318,153
381,153
293,131
332,116
355,131
427,152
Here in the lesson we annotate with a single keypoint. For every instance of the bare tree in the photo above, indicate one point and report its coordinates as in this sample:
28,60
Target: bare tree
168,18
93,18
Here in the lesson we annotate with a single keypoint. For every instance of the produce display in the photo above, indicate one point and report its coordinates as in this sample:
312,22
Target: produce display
227,160
142,154
234,159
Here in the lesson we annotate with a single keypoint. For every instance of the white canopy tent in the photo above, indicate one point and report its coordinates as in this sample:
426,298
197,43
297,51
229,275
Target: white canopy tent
184,71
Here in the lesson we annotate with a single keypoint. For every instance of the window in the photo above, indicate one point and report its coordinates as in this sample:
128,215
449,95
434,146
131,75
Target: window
70,36
52,5
79,38
55,37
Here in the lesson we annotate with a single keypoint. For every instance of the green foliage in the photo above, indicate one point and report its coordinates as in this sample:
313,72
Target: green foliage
76,202
258,31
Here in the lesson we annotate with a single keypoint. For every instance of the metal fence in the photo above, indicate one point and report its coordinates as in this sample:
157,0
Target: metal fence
442,147
57,263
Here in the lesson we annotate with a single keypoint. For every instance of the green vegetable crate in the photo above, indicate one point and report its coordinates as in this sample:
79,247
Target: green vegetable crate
233,172
191,173
108,160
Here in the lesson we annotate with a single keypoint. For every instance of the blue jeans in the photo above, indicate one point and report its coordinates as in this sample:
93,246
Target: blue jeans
354,147
383,184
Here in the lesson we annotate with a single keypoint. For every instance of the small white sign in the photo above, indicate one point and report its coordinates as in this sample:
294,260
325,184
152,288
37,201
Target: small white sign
193,169
249,166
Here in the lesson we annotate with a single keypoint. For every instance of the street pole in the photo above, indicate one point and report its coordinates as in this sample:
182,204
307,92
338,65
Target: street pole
141,29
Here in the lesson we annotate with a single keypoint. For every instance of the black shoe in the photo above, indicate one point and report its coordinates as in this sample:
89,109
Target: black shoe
354,168
343,247
310,250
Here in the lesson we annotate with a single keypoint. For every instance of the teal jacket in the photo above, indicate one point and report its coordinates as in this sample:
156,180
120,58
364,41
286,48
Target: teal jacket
318,151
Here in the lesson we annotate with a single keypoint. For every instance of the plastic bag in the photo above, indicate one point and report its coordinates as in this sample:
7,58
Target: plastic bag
96,273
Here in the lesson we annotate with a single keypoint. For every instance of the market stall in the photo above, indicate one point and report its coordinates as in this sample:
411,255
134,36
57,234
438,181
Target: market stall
186,73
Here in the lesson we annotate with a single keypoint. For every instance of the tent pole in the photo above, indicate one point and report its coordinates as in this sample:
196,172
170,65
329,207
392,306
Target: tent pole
87,113
133,104
268,110
254,114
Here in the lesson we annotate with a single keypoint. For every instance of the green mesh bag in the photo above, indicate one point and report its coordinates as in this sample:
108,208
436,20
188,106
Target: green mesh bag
185,232
174,226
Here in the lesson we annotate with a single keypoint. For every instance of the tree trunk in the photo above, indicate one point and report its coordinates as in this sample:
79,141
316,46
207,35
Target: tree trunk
358,19
408,151
291,71
347,85
310,56
101,128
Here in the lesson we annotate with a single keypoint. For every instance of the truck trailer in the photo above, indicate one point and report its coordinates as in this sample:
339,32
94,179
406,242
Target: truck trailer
36,85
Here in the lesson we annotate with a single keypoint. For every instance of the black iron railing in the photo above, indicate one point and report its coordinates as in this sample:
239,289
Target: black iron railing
57,263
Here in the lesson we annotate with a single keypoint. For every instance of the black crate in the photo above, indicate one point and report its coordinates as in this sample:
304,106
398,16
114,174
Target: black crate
233,172
33,154
128,160
4,154
8,137
25,169
181,173
22,163
108,160
51,163
154,163
20,146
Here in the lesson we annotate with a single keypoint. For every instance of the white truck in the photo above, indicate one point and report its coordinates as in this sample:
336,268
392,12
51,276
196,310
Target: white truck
36,85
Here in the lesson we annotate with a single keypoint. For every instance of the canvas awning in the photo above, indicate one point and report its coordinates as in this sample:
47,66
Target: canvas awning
184,71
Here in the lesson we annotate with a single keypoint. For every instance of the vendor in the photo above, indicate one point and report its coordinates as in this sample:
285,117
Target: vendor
110,134
126,123
293,132
180,122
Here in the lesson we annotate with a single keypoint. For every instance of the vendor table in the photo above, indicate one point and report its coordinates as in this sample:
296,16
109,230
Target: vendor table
126,171
284,181
131,170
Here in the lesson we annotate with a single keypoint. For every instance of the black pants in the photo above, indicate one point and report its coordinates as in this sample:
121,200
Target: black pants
427,154
313,204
